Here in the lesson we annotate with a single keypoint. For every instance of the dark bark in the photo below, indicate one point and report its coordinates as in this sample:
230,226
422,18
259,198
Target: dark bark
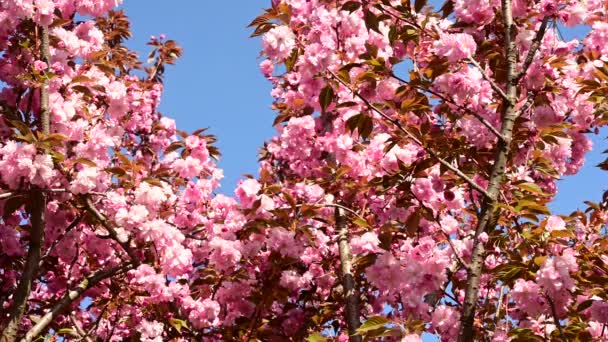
69,298
38,200
487,216
351,295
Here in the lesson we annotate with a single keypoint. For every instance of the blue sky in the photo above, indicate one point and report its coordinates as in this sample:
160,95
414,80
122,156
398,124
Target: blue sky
217,84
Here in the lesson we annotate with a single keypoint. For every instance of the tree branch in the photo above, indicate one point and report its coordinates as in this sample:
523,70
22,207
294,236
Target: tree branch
6,195
533,48
334,205
556,319
90,206
70,297
487,77
455,251
481,119
37,215
81,333
351,295
486,218
416,140
54,244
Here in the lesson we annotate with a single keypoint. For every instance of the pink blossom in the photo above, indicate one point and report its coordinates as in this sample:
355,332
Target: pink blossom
386,273
85,181
203,314
149,195
284,242
224,253
293,281
597,38
527,296
366,243
555,223
247,191
267,67
477,11
446,321
151,331
40,66
599,311
278,42
455,47
449,225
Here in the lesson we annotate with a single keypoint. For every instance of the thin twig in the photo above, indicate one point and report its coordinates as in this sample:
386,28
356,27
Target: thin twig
499,304
81,333
458,258
90,206
72,225
533,48
481,119
416,140
487,77
334,205
555,318
70,297
529,102
6,195
38,201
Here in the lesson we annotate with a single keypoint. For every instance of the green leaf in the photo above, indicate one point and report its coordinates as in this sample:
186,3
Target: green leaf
384,332
66,331
371,21
419,5
365,126
584,305
22,127
84,90
153,181
118,171
372,323
351,6
539,260
55,137
532,206
361,222
174,146
290,62
13,203
530,187
292,202
85,161
316,337
413,223
342,171
326,97
81,79
178,324
447,9
507,272
562,234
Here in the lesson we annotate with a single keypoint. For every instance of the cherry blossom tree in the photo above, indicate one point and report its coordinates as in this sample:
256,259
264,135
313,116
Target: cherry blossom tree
102,197
405,191
446,164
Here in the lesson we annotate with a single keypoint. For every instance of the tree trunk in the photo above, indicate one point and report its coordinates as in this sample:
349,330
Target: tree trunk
351,295
37,219
487,218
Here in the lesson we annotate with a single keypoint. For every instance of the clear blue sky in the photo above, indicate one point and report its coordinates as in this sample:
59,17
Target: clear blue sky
217,84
